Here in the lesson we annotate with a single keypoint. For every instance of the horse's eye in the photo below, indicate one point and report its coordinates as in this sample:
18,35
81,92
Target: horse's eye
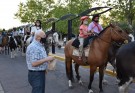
120,31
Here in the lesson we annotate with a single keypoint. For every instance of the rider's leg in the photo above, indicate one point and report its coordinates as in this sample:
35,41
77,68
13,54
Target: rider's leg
81,47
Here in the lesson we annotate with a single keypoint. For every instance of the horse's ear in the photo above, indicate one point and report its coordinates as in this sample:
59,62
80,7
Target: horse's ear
112,25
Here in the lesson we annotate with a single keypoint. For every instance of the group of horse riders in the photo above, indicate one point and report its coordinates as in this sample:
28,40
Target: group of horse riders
23,31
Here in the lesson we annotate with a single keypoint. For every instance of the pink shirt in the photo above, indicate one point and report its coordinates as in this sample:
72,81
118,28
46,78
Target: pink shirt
95,26
83,28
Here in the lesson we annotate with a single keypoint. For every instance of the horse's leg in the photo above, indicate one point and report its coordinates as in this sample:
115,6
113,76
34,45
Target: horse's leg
0,50
69,70
15,51
104,80
101,75
77,73
124,84
92,71
11,52
8,49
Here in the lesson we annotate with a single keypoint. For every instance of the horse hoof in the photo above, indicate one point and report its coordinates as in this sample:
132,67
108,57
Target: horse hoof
91,91
80,82
70,84
105,82
71,87
101,90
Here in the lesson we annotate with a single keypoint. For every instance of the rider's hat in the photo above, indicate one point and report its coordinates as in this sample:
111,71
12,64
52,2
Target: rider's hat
84,17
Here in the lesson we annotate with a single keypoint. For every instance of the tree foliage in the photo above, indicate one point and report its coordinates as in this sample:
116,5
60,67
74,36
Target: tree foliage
123,11
33,10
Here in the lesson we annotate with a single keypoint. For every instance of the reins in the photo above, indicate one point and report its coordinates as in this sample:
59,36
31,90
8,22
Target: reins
111,33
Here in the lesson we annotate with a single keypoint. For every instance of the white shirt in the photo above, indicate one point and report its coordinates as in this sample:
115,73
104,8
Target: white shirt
92,26
21,32
65,39
35,29
36,51
132,37
15,33
56,36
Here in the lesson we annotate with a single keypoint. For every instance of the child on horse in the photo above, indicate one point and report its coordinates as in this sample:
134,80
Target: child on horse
83,33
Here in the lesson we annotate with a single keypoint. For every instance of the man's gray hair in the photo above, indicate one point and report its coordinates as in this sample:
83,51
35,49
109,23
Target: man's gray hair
37,33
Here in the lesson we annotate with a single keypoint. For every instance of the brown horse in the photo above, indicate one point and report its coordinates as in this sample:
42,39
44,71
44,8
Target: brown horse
5,43
97,56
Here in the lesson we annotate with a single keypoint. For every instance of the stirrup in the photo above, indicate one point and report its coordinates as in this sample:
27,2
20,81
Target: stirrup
79,58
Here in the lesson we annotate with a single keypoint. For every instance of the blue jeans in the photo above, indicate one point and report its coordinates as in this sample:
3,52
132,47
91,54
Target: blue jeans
37,81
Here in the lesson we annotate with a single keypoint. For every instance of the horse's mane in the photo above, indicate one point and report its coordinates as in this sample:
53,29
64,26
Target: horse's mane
11,39
103,30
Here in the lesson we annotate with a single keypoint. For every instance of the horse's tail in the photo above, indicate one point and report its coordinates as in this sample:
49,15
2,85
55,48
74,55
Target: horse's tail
69,70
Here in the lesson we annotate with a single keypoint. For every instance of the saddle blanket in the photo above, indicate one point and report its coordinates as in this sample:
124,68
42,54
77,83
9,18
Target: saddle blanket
76,51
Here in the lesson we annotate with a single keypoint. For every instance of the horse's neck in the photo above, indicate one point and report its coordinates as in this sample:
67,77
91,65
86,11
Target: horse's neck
104,40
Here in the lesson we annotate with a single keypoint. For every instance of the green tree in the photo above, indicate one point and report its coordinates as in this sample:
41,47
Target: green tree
123,10
33,10
70,7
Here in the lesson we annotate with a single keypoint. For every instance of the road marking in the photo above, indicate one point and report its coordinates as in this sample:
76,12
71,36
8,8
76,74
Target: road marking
1,89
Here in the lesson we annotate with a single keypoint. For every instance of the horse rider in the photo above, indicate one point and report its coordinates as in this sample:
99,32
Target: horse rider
94,26
0,42
14,34
83,33
21,32
35,28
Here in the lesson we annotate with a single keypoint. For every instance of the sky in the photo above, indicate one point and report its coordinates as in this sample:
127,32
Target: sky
7,10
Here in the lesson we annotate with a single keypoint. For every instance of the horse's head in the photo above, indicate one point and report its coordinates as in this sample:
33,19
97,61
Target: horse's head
117,34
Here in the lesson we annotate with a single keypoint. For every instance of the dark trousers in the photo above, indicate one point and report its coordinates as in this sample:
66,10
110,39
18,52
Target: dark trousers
37,81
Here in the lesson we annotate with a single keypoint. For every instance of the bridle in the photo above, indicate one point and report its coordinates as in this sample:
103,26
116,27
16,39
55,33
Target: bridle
111,33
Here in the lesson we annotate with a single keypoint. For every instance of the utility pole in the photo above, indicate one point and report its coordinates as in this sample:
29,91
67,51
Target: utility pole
53,42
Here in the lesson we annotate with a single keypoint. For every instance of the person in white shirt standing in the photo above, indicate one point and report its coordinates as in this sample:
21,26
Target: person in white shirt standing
35,28
94,26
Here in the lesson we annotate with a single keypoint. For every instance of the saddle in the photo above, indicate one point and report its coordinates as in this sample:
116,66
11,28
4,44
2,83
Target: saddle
86,44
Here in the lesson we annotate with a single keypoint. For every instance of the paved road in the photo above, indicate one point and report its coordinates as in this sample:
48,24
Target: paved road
13,78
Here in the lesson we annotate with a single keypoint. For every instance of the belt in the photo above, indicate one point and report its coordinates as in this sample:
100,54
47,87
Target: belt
37,70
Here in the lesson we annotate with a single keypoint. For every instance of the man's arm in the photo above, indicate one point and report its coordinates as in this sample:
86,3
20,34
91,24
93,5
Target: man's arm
40,62
90,28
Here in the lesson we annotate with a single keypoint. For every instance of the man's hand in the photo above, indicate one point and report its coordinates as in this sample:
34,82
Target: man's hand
49,58
92,31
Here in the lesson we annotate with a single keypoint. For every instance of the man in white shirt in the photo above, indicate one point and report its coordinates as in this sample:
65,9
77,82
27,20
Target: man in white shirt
56,37
21,32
